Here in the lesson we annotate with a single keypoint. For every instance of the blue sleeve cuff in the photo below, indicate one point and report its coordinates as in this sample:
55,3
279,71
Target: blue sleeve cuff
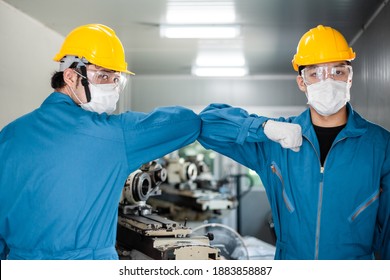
244,131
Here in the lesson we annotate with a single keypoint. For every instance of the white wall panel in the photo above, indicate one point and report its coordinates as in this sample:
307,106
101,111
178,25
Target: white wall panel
26,51
148,92
370,92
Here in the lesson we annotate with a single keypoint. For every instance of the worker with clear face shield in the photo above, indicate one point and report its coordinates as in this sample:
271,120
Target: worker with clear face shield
64,165
326,172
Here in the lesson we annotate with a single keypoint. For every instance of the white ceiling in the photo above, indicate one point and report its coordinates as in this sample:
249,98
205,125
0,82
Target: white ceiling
270,29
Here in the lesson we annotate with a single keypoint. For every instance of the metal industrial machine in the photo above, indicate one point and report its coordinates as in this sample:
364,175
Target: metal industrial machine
143,234
190,192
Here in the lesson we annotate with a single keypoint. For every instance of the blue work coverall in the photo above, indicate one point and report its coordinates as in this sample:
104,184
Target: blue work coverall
62,171
338,211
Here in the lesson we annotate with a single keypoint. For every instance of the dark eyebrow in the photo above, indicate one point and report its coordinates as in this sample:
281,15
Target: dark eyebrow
317,65
107,70
99,68
311,67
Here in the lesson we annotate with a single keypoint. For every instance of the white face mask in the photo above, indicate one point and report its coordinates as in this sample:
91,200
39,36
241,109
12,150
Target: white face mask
328,97
103,98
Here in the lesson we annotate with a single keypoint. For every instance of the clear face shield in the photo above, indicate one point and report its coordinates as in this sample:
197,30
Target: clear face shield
103,76
315,74
106,77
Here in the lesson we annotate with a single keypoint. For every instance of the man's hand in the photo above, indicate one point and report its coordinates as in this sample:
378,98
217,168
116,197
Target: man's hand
288,135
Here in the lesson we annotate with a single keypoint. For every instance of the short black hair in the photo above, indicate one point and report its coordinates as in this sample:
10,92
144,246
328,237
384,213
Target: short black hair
57,79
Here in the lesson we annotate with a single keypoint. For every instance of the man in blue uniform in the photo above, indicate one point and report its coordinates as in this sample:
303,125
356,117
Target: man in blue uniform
327,171
64,165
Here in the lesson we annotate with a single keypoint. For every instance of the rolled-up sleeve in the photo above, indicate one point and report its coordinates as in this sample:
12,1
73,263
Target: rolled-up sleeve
232,132
152,135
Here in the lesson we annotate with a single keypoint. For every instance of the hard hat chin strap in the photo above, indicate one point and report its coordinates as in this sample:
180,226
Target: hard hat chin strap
67,61
85,83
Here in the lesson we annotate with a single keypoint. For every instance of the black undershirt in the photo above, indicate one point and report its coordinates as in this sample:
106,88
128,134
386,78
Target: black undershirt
326,136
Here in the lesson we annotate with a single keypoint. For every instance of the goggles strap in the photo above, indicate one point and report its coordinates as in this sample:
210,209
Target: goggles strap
85,83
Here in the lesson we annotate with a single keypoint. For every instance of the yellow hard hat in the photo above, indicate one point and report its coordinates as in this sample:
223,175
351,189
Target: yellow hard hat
322,44
96,43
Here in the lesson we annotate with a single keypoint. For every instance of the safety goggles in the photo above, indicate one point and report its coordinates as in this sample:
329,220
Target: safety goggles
97,77
315,74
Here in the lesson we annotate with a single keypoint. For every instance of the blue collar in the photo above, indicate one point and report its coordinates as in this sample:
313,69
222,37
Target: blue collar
58,97
356,125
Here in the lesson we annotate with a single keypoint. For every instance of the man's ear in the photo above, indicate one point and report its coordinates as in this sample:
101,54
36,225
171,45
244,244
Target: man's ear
69,76
301,84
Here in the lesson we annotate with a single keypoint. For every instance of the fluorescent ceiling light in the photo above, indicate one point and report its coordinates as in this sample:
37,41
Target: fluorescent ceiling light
186,12
222,58
220,71
199,31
